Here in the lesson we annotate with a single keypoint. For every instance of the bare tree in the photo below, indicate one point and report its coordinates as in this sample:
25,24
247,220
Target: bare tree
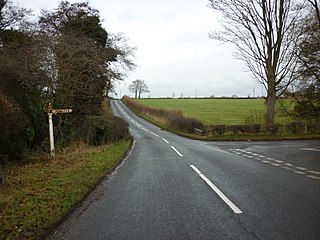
308,55
308,86
11,15
137,87
264,34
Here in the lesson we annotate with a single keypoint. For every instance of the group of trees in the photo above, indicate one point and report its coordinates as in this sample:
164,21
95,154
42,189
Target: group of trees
65,57
279,40
137,87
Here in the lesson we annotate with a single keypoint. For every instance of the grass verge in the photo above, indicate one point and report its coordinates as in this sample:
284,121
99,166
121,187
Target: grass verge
39,194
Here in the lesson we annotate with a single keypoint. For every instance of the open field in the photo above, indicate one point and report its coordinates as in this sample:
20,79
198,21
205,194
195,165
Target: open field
219,111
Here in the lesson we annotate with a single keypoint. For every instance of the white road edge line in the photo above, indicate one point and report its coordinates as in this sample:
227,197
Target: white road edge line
165,140
234,208
176,151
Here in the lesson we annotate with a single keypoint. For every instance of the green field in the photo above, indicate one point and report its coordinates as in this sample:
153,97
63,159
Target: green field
218,111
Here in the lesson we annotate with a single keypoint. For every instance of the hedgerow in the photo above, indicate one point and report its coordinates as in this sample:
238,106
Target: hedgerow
175,119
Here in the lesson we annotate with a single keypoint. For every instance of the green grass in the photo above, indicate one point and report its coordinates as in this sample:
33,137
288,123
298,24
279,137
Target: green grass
219,111
39,194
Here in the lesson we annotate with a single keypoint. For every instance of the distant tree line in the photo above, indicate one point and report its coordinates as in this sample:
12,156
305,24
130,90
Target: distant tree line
66,58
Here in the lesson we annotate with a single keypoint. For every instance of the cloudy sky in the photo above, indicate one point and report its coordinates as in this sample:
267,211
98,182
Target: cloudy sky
174,53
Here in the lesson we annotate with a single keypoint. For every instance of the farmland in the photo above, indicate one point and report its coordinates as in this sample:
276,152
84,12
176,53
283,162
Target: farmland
219,111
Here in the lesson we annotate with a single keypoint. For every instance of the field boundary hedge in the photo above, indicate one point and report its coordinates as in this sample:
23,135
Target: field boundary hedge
257,129
175,119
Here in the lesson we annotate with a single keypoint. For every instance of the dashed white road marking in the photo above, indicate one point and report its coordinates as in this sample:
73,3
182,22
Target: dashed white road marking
145,129
301,168
234,208
278,163
176,151
165,140
264,161
299,172
154,134
275,164
313,177
315,149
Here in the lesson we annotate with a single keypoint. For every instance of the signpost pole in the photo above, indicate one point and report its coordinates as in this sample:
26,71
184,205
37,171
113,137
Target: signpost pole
51,134
50,112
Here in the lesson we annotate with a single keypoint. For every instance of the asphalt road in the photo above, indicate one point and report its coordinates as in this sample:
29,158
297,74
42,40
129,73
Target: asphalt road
171,187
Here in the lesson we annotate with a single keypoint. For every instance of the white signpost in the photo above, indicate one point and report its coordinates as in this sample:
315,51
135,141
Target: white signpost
50,112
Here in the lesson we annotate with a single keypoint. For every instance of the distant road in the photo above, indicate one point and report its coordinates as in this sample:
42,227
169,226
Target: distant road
171,187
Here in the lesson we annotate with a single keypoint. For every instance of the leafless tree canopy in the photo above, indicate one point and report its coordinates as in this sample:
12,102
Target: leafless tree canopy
137,87
264,34
11,15
307,89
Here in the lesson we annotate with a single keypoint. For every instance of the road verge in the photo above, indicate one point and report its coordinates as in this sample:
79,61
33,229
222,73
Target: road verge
39,195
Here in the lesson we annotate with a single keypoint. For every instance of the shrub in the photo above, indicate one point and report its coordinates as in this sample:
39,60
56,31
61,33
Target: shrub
255,128
97,130
218,130
272,129
13,138
183,123
295,127
174,118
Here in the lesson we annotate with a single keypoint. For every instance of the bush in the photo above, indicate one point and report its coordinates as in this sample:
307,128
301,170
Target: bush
13,138
272,129
295,127
183,123
236,129
174,118
97,130
217,130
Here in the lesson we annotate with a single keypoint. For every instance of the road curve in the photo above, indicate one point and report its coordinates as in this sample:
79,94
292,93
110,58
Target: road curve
171,187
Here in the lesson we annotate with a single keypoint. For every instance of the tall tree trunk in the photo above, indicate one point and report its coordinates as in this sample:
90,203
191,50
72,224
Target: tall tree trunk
1,175
318,122
271,97
139,94
271,103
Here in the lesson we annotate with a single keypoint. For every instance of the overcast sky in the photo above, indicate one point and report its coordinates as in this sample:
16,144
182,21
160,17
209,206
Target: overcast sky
174,53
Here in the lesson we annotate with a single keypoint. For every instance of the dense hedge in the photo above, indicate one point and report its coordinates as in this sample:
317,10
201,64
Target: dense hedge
17,136
174,119
13,137
97,130
177,120
256,129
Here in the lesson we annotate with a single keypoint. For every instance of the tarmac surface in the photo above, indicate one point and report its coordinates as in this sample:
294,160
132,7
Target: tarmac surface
170,187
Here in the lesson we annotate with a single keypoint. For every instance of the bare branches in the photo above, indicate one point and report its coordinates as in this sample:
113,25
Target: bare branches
264,33
11,15
87,59
137,87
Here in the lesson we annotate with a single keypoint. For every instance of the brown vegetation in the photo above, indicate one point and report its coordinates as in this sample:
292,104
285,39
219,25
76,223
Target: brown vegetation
174,119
